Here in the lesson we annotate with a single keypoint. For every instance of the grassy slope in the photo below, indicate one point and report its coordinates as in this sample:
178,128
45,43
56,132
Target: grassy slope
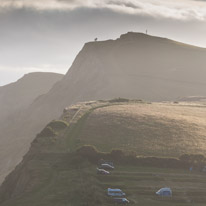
148,129
52,176
61,184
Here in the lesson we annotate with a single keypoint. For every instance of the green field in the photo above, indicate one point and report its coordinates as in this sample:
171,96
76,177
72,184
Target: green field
157,129
140,185
53,174
64,180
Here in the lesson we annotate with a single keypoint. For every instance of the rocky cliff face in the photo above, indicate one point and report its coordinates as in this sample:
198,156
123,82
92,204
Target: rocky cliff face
135,66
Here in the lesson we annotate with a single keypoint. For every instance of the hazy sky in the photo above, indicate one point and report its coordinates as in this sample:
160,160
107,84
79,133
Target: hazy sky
46,35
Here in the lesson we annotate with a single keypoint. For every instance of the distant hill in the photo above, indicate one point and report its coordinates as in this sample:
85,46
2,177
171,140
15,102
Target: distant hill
52,173
135,66
15,98
193,99
18,95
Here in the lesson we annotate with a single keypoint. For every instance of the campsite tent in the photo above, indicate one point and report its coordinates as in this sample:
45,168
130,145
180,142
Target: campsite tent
106,166
166,192
121,200
115,192
102,172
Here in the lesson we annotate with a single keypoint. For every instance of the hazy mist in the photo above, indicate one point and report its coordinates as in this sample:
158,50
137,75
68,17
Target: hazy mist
39,37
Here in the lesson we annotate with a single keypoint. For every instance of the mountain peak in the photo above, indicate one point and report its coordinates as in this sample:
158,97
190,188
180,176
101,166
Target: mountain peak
137,36
134,35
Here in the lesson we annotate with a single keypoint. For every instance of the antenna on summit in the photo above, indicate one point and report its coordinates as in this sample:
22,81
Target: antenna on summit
146,31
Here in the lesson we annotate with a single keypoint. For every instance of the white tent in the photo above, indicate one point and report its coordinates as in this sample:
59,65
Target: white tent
166,191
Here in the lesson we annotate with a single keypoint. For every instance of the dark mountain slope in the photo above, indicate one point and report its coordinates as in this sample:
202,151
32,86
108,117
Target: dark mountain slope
18,95
15,99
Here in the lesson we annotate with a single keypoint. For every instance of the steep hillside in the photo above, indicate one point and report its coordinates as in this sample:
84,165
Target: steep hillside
15,99
136,66
19,95
52,173
147,129
133,66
